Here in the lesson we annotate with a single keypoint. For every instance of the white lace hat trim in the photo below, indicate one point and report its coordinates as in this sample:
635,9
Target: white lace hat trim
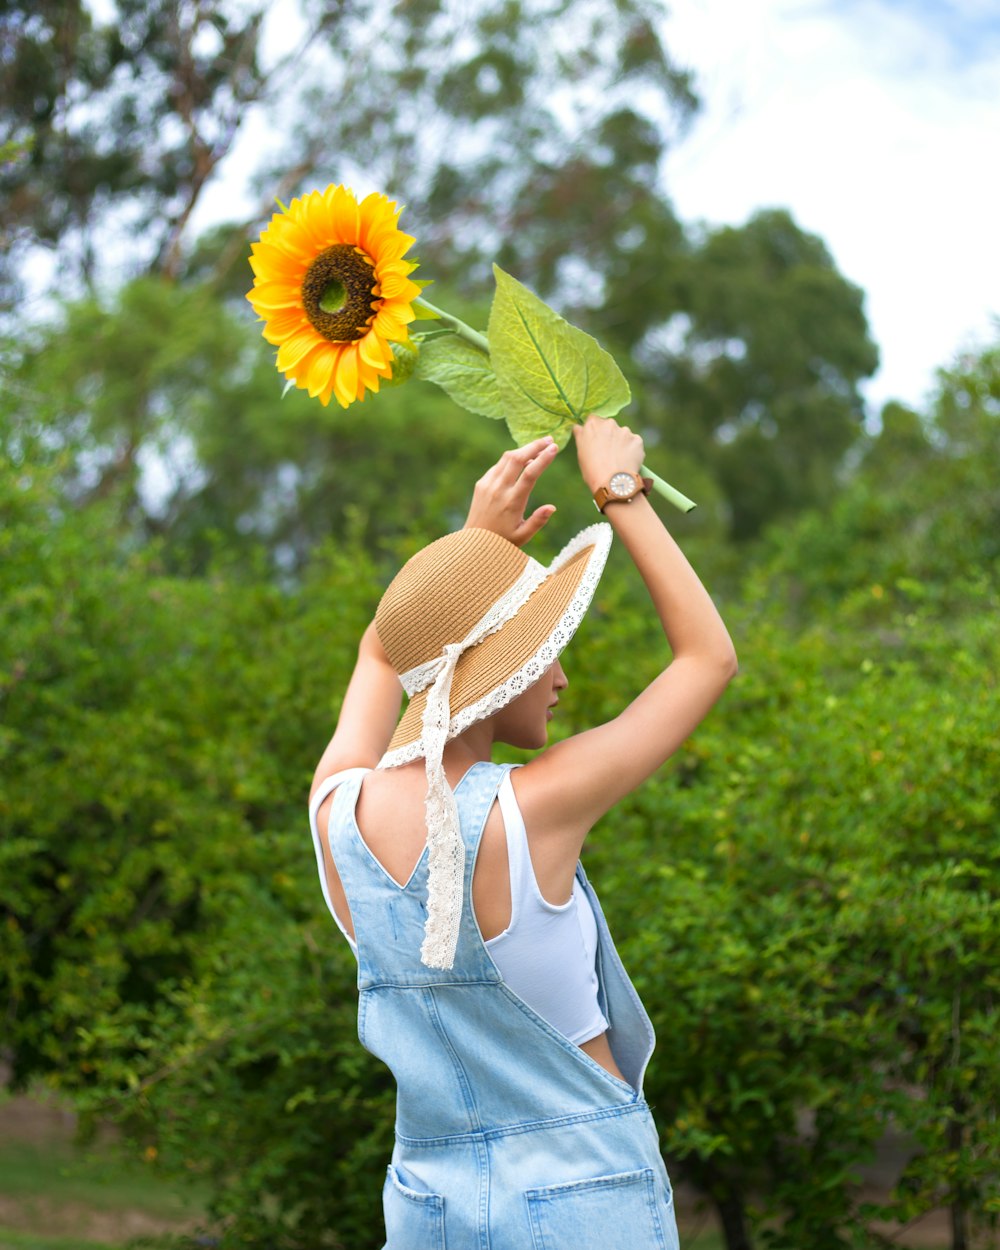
446,850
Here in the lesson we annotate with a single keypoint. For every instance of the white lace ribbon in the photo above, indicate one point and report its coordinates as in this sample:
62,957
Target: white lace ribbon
445,848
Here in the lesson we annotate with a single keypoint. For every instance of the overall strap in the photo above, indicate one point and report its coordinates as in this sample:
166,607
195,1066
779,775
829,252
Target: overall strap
328,784
476,793
389,916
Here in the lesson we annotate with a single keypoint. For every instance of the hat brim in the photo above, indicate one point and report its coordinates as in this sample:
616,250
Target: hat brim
506,663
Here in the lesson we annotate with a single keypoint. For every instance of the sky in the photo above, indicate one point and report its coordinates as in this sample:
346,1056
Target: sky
877,124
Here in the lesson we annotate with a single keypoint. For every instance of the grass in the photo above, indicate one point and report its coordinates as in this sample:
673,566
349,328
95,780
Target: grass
14,1239
55,1195
61,1174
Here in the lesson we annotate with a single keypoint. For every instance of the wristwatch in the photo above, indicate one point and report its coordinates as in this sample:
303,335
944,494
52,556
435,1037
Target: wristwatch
622,488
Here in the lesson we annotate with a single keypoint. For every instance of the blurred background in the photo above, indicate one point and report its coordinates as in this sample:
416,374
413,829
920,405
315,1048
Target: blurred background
778,220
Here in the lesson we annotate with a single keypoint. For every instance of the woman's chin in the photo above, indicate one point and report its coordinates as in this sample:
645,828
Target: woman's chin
529,741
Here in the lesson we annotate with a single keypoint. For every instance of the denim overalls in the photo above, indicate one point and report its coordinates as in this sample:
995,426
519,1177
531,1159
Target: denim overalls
508,1136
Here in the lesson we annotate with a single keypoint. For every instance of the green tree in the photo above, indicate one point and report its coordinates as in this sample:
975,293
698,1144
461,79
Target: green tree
557,118
807,898
166,402
123,122
162,956
921,517
760,373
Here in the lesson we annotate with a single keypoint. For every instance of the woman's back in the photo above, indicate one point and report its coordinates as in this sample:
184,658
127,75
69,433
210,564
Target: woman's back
390,817
543,945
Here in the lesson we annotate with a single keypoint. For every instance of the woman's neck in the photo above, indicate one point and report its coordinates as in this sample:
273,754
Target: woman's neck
459,755
470,747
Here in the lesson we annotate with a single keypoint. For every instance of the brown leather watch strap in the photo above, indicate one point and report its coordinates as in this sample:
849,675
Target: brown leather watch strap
603,495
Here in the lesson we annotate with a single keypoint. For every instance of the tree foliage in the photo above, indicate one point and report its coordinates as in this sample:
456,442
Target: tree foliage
775,345
530,132
122,123
807,897
163,402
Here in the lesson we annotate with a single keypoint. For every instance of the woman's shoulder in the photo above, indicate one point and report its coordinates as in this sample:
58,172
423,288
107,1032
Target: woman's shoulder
542,788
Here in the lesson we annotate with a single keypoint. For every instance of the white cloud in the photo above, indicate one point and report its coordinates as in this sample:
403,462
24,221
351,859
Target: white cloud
877,128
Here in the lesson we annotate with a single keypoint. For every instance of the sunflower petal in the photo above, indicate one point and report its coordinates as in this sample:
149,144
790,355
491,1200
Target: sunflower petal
274,295
373,350
345,379
270,263
394,247
395,287
321,369
291,352
282,325
368,375
344,216
290,238
327,392
377,224
392,320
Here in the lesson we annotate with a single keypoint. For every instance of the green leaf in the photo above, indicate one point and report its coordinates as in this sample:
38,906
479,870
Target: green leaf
550,374
463,371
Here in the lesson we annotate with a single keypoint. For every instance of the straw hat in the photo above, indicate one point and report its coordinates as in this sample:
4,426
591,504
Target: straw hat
469,623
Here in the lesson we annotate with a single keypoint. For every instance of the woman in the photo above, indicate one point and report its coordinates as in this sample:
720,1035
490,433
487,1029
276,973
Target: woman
488,980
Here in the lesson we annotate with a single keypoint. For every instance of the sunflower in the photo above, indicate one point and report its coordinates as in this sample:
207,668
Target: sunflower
334,291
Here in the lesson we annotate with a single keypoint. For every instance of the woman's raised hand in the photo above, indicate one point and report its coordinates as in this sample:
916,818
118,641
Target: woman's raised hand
604,447
500,498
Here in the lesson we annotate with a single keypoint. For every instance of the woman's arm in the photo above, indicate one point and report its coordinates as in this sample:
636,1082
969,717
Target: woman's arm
368,714
569,786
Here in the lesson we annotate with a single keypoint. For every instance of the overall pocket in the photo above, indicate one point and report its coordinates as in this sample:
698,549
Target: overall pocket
619,1212
414,1219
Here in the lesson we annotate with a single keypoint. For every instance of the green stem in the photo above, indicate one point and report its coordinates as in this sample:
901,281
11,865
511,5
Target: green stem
461,329
669,492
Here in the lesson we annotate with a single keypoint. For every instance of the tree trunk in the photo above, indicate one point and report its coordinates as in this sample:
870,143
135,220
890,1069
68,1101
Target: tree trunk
732,1213
959,1227
957,1210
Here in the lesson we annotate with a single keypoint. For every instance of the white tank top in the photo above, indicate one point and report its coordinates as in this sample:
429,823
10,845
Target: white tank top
548,951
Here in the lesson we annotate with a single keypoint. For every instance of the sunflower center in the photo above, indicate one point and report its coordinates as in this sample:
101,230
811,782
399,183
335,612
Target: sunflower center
340,293
334,297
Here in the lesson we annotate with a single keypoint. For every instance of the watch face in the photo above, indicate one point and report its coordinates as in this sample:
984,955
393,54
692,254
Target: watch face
622,484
